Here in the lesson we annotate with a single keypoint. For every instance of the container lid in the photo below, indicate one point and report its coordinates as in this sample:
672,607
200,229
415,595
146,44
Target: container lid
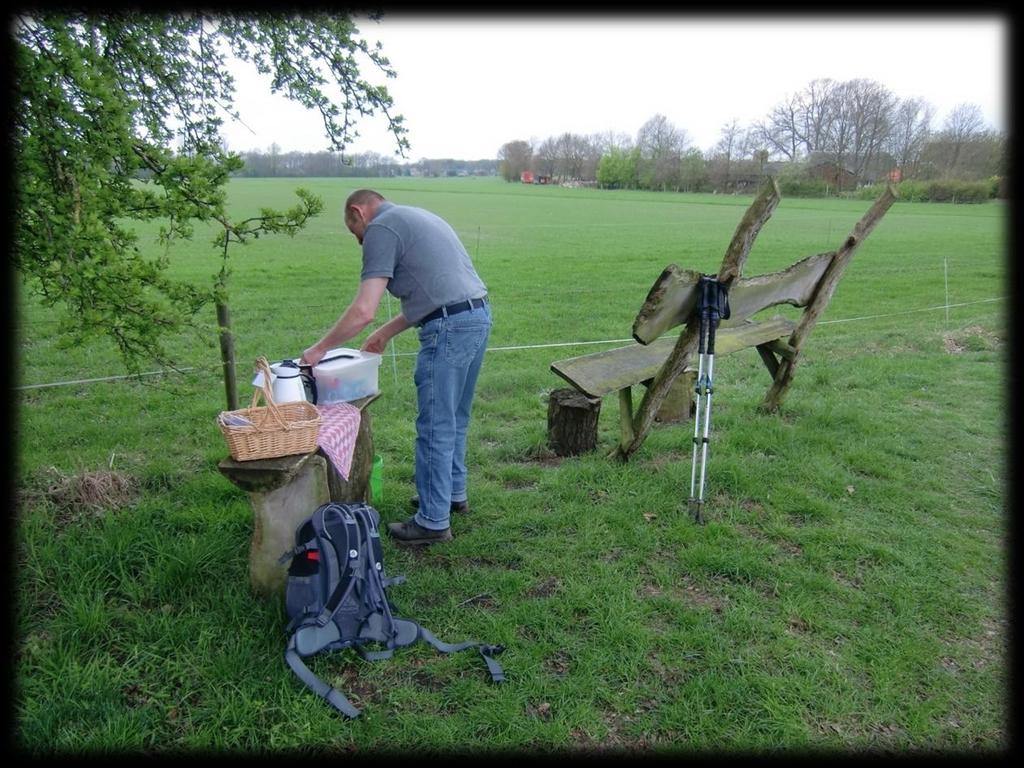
339,359
282,369
285,369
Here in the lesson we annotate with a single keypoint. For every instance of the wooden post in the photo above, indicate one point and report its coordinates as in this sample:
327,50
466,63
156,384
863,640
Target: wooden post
784,375
227,355
572,422
626,413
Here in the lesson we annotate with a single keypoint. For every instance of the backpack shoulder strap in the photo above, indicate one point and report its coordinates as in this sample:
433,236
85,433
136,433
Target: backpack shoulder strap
408,632
343,535
487,651
332,696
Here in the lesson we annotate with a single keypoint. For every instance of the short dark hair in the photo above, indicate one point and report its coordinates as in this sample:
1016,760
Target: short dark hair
363,197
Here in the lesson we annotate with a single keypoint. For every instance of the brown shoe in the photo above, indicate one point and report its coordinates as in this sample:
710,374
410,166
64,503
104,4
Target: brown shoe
411,532
461,507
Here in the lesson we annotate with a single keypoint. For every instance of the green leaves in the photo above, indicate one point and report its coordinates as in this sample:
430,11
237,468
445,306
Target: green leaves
117,120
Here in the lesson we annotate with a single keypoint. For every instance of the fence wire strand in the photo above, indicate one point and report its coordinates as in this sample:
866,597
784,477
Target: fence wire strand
509,348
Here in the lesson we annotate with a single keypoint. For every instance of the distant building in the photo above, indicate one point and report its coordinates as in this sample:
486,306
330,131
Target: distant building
528,177
834,175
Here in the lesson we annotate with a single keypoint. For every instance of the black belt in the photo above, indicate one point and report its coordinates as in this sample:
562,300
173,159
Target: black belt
453,309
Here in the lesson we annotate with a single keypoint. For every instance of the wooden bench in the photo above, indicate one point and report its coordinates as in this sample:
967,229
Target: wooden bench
662,363
285,490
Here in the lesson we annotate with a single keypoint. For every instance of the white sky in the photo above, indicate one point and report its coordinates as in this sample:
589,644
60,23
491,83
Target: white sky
467,85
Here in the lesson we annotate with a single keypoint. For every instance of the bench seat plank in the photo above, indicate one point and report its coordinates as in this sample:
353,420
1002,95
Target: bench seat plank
599,373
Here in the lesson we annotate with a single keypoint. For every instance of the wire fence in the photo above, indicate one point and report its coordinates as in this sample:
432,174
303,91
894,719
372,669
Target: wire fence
508,348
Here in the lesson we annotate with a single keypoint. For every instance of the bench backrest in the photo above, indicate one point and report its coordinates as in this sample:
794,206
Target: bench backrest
673,296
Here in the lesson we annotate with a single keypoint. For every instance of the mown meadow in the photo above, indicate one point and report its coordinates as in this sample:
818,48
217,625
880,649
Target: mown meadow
848,592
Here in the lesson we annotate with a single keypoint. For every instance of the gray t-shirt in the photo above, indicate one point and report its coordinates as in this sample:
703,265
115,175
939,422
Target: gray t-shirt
427,265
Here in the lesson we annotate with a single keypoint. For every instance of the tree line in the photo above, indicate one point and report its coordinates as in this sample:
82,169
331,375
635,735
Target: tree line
274,163
836,134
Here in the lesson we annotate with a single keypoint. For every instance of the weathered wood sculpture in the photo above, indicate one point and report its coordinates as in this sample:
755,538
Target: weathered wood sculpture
809,283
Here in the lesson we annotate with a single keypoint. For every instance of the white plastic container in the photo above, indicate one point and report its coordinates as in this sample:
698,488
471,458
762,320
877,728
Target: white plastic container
346,374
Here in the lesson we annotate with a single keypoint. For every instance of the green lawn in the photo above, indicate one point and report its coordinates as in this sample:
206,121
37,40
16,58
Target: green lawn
848,592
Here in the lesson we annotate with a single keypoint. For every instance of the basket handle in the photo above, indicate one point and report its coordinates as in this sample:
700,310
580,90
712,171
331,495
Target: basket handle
262,366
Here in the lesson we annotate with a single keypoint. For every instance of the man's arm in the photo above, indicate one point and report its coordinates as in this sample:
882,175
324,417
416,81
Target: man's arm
379,339
355,318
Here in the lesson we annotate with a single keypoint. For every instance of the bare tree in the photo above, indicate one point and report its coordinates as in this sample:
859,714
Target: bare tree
871,107
819,105
779,130
608,140
545,157
912,120
724,154
572,152
964,123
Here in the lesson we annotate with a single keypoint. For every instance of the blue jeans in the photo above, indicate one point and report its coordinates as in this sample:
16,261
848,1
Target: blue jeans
451,352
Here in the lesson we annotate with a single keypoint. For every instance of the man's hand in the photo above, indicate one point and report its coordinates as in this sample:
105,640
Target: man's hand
375,342
313,355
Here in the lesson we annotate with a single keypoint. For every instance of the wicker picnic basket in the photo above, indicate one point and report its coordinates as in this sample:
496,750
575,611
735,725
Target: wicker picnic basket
271,430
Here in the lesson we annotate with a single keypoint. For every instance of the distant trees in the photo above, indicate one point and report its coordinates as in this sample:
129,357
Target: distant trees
725,154
911,128
514,157
273,163
963,125
828,136
860,127
661,146
617,168
845,123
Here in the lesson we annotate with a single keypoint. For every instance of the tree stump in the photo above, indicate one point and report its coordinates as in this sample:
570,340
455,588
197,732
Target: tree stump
357,487
572,422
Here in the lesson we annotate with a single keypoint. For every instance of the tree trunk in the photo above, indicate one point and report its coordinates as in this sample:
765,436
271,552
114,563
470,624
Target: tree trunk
572,422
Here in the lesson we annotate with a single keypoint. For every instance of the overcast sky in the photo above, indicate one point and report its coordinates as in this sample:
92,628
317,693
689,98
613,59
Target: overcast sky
467,85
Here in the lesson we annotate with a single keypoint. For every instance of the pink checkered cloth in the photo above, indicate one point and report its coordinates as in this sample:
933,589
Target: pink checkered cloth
339,426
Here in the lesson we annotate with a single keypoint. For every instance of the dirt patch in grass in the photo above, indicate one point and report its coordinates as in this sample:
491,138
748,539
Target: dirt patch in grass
983,648
88,494
973,338
854,580
666,458
519,484
689,592
784,545
546,588
429,679
483,600
356,690
543,455
559,664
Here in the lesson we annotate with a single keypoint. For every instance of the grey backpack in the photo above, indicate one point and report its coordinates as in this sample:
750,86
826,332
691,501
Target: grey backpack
336,597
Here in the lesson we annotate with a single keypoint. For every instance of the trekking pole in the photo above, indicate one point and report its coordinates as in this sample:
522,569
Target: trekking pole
712,305
699,391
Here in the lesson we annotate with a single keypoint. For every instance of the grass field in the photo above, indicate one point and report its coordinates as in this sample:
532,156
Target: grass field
848,592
